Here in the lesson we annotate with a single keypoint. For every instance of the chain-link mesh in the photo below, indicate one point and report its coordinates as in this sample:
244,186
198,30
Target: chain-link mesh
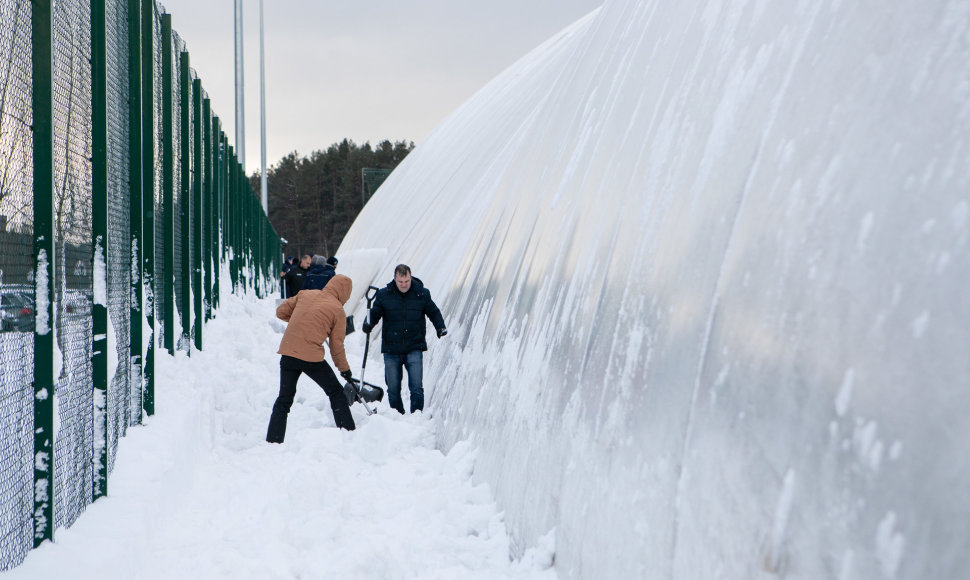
159,179
189,234
203,209
73,441
175,272
181,167
119,226
195,114
16,292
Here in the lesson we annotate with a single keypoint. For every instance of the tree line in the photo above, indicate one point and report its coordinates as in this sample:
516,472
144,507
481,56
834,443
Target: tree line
313,200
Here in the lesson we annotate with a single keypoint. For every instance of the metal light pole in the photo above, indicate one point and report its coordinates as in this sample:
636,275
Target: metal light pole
262,116
240,100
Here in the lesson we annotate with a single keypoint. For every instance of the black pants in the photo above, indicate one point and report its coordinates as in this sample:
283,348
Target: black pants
321,373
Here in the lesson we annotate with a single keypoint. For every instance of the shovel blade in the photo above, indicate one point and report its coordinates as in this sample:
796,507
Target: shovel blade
371,393
367,392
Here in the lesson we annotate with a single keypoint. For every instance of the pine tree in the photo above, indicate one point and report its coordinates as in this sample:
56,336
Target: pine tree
314,200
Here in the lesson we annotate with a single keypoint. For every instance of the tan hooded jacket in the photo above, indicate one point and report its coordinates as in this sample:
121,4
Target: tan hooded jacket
315,316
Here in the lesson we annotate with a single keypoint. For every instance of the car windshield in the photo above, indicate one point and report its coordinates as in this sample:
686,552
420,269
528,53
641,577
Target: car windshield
16,300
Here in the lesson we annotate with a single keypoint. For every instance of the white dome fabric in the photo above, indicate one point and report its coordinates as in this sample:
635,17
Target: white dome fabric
705,270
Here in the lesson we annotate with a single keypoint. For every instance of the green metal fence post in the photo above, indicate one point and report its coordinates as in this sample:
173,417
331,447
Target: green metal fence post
135,194
196,246
245,193
228,215
234,220
227,207
241,230
231,217
258,246
241,191
207,202
216,211
239,218
185,203
251,204
227,221
263,255
240,224
255,214
43,159
223,204
99,233
168,182
148,198
258,249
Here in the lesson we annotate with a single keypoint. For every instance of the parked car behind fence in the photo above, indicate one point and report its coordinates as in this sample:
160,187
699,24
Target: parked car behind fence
16,308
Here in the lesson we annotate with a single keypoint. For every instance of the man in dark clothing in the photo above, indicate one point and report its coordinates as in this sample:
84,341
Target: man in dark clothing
294,277
321,271
289,263
403,304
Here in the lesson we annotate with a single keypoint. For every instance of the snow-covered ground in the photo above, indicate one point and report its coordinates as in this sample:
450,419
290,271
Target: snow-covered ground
198,493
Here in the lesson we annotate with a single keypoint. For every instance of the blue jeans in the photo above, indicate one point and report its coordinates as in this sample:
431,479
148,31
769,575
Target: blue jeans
393,365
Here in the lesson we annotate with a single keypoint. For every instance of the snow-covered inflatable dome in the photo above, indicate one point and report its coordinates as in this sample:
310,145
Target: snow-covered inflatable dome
705,269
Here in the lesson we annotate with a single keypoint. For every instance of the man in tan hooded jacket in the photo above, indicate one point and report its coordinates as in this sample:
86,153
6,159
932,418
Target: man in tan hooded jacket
313,316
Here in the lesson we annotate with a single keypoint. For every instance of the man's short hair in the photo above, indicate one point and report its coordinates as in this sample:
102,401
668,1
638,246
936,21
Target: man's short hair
402,270
318,261
306,257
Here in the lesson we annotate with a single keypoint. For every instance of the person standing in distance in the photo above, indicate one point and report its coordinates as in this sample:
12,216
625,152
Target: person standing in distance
313,316
320,272
294,276
403,304
289,263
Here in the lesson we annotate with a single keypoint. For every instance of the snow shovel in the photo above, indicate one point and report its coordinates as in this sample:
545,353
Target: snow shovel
369,393
360,387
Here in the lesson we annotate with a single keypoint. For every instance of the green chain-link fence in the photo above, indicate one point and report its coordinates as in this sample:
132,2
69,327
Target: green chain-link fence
122,212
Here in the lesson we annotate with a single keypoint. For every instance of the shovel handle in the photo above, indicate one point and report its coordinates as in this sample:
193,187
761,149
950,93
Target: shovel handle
371,294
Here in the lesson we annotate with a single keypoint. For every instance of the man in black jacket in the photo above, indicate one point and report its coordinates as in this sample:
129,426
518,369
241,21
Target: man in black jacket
403,304
294,276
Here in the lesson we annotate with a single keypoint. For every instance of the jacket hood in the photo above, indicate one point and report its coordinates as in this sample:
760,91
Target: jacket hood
416,284
315,269
339,287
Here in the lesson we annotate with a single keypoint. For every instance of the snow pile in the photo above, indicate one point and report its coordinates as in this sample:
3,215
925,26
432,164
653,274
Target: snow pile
198,493
704,270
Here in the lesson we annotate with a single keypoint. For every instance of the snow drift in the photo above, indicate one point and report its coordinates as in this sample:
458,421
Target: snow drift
705,270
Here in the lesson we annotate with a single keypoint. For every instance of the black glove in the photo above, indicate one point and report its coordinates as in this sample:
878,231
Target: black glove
366,328
347,375
441,332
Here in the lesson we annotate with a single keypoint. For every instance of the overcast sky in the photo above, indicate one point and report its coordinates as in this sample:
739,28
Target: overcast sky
367,71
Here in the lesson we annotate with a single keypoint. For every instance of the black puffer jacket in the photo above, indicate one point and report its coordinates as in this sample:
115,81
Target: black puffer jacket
404,314
294,280
318,276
